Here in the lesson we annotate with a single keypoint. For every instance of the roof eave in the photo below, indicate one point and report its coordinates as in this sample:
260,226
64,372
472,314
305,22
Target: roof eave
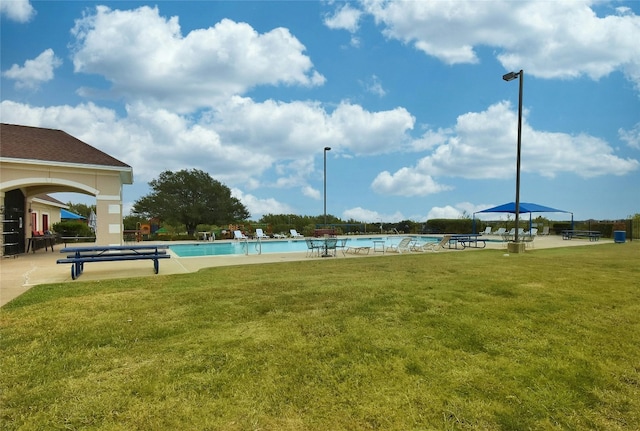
126,172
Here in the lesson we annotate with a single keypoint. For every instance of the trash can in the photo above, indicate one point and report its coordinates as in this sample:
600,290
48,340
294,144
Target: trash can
619,236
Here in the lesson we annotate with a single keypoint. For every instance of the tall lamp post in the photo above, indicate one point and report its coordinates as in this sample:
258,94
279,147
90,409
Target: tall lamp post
510,77
325,184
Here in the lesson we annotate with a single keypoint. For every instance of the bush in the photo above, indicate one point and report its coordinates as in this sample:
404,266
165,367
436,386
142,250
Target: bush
448,226
72,228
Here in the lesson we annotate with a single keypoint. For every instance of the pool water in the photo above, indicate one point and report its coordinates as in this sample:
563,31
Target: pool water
229,248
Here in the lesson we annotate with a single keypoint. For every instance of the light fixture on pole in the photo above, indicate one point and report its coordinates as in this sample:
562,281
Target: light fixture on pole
325,184
510,77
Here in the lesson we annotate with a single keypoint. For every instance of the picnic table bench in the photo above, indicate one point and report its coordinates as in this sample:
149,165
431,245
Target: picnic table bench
78,256
471,240
593,235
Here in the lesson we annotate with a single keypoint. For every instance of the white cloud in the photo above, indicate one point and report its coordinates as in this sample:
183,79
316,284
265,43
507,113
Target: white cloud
146,57
296,129
444,212
258,207
550,39
631,137
345,18
34,72
374,86
238,144
369,216
311,192
17,10
462,209
482,145
407,182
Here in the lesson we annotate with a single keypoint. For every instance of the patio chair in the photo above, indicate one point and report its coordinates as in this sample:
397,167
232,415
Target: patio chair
500,231
238,235
487,231
330,246
313,247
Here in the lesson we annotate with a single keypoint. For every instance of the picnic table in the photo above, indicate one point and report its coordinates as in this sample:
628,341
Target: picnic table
593,235
78,256
467,240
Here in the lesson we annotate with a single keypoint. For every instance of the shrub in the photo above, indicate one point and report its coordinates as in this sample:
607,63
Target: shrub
72,228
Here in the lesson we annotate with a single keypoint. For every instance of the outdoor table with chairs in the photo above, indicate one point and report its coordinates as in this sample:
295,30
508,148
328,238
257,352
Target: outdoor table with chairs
324,247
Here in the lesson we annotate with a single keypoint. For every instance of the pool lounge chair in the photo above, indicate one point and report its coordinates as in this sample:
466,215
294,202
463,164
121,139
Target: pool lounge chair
434,246
295,234
404,246
238,235
529,237
487,231
500,231
260,234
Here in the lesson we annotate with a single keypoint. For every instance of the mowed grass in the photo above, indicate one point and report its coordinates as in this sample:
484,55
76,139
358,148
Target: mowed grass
473,340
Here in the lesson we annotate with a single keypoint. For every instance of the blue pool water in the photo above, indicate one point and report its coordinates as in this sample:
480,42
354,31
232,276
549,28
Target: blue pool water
227,248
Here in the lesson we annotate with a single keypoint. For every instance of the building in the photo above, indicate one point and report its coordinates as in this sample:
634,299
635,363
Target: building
36,161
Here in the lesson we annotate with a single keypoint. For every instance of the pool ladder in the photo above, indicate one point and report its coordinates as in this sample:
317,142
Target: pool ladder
258,246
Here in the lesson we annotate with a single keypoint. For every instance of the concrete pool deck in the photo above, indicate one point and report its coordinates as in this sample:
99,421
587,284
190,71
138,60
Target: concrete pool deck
19,274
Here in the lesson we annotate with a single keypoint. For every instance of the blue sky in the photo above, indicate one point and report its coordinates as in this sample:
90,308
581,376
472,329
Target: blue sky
408,95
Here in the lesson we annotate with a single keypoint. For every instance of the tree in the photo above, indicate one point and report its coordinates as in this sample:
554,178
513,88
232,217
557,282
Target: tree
190,197
81,209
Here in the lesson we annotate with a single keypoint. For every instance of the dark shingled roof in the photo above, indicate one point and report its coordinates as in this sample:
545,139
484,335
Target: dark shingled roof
36,143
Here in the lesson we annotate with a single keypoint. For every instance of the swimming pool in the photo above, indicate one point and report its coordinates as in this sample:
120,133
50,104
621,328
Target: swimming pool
229,248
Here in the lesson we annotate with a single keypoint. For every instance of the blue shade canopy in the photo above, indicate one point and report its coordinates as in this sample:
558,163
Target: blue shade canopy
68,215
525,207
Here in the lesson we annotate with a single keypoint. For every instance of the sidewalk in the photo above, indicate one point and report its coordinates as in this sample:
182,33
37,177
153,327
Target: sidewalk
17,275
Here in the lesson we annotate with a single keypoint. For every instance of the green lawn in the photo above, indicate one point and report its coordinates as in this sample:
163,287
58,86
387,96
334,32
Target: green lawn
472,340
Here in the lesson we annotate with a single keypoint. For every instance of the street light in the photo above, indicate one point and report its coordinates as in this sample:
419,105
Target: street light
325,184
510,77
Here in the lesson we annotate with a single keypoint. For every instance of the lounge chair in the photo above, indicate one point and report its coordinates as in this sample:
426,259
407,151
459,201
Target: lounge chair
528,237
434,246
545,230
403,246
279,235
260,234
510,236
487,231
238,235
342,245
295,234
500,231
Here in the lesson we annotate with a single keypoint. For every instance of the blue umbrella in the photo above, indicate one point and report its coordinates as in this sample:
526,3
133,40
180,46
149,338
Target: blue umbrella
525,207
68,215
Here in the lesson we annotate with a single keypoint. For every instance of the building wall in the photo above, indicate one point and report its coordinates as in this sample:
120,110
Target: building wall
105,183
